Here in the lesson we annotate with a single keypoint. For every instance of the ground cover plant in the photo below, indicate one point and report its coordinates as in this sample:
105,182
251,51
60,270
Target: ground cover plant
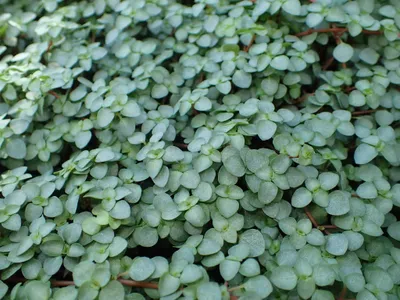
207,149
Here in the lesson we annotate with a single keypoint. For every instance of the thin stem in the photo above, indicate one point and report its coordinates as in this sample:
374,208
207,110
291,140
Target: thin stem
310,216
122,274
246,48
61,282
314,222
303,98
53,93
364,112
329,226
145,285
328,63
337,29
235,288
343,293
182,146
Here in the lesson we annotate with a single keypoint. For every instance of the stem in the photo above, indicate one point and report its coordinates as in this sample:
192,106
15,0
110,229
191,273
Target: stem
182,146
310,216
364,112
314,222
329,226
303,98
341,30
122,274
235,288
61,282
53,93
246,48
145,285
328,63
127,282
343,293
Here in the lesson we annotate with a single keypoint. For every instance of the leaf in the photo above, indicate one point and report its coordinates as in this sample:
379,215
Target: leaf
228,269
83,272
168,284
241,79
208,290
37,290
66,293
394,230
141,269
355,282
292,7
343,52
339,203
113,290
337,244
280,62
364,154
323,275
301,197
255,240
284,278
369,55
259,285
3,289
190,274
173,154
266,129
16,148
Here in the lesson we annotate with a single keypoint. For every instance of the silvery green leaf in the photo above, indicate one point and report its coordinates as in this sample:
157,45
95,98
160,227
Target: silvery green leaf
168,284
66,293
343,52
260,285
228,269
208,290
292,7
241,79
141,268
337,244
301,197
255,240
364,154
16,148
113,290
284,278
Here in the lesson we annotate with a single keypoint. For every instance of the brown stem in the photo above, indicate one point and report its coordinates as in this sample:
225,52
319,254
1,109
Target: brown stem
53,93
303,98
329,226
364,112
246,48
328,63
182,146
49,46
341,30
343,293
145,285
313,221
310,216
61,282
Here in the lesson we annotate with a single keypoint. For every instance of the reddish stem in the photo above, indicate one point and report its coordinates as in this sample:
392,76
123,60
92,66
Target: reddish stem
326,30
182,146
53,93
343,293
145,285
246,48
364,112
303,98
328,63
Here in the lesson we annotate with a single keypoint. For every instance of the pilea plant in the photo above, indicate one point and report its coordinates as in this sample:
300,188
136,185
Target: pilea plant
199,149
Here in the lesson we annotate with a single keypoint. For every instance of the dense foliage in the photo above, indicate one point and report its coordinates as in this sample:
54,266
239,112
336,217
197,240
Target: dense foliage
207,149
